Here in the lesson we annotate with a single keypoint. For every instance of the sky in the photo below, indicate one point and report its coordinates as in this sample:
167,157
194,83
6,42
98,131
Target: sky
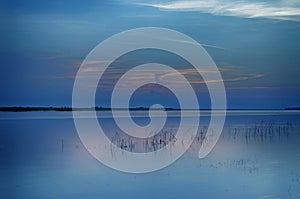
255,45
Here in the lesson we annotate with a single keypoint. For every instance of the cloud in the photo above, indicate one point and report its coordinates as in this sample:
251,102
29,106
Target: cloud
254,87
166,77
283,10
193,43
230,74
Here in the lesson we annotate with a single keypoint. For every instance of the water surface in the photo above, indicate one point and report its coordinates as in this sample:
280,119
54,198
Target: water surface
257,156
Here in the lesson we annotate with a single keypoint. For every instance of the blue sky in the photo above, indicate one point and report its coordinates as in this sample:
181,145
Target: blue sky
254,43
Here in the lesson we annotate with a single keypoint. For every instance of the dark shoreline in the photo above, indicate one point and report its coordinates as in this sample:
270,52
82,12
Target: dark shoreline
27,109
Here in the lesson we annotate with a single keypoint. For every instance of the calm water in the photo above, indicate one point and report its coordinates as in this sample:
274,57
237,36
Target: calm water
257,156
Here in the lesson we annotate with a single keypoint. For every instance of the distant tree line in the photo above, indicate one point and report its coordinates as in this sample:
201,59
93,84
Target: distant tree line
65,108
24,109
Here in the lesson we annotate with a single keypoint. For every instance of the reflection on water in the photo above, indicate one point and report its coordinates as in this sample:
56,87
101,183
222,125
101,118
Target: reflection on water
257,156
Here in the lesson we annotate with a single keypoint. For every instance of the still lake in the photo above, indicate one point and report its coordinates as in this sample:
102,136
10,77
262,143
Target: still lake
257,156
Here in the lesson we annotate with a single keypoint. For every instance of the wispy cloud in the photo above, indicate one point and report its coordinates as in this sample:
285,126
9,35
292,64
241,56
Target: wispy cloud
283,10
230,74
193,43
164,76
